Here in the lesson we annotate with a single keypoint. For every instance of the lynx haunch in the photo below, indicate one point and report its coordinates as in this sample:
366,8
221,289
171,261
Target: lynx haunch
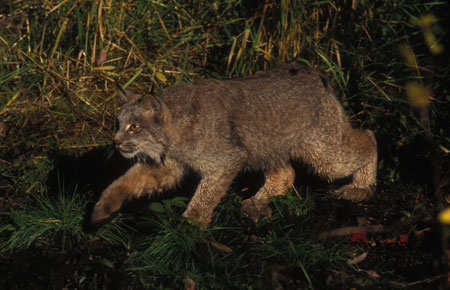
220,127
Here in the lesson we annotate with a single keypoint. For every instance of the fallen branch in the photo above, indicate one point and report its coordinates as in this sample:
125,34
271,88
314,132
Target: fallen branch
345,231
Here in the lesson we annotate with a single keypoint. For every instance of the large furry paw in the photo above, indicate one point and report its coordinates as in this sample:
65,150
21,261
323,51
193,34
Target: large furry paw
354,194
105,208
101,213
254,209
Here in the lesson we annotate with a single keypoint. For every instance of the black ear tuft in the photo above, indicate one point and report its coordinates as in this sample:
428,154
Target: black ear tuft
325,82
125,95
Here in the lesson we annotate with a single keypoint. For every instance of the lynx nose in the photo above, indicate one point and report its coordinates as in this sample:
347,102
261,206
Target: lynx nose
117,142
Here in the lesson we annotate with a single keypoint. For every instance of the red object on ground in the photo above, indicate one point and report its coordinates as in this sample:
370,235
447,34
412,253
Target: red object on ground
404,238
360,234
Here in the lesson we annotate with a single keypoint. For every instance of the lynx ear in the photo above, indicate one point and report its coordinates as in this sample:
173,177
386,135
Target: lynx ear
155,102
126,95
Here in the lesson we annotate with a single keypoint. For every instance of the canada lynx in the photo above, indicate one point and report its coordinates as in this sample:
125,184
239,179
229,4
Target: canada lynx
220,127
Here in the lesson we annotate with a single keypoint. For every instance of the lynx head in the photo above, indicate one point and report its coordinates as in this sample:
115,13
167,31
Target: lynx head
141,132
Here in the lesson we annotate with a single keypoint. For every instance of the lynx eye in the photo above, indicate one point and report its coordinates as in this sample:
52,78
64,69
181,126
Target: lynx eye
133,128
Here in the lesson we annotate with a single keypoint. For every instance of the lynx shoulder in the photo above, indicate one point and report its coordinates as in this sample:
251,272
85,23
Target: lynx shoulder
220,127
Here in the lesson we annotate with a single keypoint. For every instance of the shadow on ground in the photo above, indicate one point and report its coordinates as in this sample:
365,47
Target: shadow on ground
94,171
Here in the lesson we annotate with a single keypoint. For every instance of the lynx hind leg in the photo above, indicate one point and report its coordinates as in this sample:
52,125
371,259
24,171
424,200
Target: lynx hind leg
138,180
278,181
364,177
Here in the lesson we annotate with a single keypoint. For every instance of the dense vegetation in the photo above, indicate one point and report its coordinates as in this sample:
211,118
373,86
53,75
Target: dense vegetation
387,59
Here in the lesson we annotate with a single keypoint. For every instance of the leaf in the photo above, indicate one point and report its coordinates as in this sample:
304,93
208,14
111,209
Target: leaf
179,202
161,77
104,68
446,151
221,247
406,213
107,263
157,207
180,198
52,221
371,273
7,227
357,259
359,234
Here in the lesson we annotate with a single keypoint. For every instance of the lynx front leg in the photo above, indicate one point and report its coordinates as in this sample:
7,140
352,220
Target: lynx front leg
277,182
364,178
138,180
208,194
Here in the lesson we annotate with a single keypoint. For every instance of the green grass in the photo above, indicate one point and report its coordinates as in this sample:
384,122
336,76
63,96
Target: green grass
58,60
43,220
